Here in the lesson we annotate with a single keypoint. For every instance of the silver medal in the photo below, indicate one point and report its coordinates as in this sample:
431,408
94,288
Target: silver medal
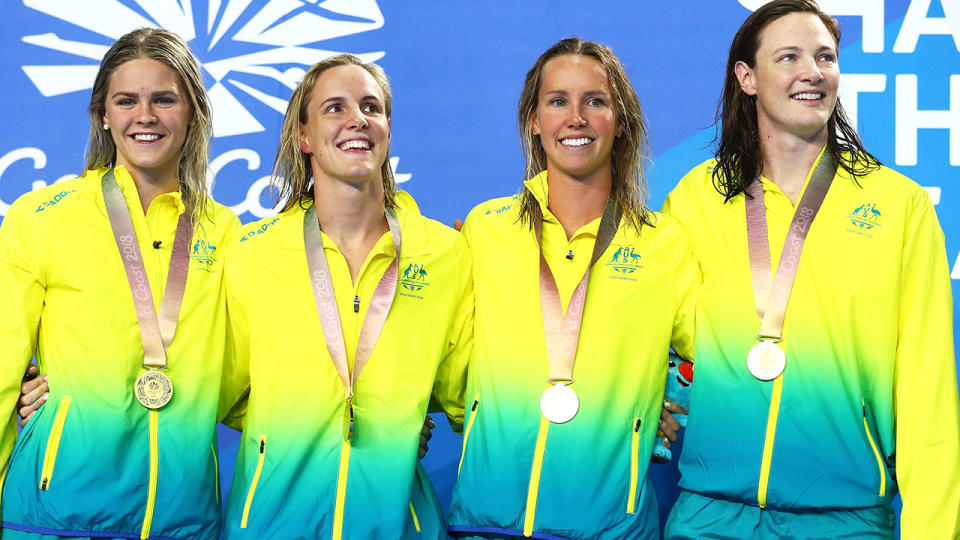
766,360
559,403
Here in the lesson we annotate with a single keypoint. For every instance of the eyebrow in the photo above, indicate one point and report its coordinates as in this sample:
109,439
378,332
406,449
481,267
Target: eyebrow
793,48
340,99
123,93
564,93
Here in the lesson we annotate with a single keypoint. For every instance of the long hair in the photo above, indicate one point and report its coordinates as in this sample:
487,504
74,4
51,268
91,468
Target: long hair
739,161
292,173
630,149
168,49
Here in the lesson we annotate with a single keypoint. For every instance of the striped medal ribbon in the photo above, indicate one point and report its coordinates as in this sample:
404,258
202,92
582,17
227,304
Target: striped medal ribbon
766,360
559,403
326,301
153,388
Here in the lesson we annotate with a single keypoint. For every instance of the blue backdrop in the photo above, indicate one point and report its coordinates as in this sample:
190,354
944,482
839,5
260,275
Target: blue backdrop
457,68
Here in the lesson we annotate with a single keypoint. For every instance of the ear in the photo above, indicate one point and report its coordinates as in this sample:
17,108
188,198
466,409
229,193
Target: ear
745,76
304,143
389,130
535,124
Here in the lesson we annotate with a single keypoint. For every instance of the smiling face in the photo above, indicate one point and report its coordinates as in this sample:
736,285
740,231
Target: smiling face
575,117
148,114
795,77
347,132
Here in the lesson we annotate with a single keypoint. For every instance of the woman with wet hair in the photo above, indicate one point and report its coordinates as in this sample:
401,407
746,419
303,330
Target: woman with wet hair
368,302
124,446
838,369
580,291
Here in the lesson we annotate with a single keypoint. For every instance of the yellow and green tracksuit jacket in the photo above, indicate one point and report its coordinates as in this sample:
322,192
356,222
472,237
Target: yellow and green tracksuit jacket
520,474
295,477
93,461
867,404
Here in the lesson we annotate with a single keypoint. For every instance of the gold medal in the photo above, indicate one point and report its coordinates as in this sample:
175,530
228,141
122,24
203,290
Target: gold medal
153,389
766,360
559,403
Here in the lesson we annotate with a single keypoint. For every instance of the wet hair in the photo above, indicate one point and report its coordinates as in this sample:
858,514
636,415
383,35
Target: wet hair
172,51
292,172
739,160
630,149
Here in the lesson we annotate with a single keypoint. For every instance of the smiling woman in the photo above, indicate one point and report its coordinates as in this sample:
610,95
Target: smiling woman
125,445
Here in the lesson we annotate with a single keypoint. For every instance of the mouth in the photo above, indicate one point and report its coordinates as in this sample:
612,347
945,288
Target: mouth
355,145
808,96
146,138
575,142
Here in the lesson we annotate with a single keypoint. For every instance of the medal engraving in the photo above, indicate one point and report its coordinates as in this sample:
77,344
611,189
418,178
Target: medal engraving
153,389
559,403
766,361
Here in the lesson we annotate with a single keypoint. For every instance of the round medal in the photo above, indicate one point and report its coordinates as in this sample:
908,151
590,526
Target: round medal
766,360
559,403
153,389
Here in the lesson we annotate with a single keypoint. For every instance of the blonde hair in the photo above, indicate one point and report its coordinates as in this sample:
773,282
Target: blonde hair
168,49
630,149
292,173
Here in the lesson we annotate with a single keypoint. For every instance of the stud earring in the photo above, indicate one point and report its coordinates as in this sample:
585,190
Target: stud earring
106,126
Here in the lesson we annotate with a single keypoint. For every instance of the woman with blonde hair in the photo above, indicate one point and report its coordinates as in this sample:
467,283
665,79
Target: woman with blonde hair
580,291
370,305
125,446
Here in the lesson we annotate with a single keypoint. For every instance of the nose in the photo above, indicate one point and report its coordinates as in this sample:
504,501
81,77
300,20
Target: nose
576,119
145,114
811,71
357,119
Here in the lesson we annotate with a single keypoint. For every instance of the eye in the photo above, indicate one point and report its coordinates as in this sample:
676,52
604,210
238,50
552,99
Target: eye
558,102
828,58
596,102
334,108
125,102
788,58
165,101
371,108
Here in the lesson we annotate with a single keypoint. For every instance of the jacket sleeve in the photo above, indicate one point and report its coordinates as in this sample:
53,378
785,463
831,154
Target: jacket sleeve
688,272
235,378
925,384
450,384
22,289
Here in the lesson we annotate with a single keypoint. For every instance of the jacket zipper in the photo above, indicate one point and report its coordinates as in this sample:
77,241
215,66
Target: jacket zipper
341,490
534,489
634,466
253,483
876,451
152,488
216,473
768,441
466,432
416,522
53,443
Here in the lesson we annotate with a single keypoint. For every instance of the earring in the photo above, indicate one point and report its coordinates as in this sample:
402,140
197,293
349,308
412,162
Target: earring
106,126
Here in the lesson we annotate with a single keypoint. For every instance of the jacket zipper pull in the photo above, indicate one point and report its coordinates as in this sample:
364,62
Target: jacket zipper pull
262,445
356,304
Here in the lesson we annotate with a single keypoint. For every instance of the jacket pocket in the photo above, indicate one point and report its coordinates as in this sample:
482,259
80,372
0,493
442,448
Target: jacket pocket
53,443
253,483
466,431
634,465
882,469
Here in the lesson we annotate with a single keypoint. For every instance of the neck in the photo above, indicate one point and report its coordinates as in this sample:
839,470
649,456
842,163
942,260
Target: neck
150,184
578,201
352,215
787,160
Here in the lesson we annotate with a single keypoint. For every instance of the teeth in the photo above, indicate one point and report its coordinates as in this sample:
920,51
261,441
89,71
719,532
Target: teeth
808,95
349,145
576,142
146,136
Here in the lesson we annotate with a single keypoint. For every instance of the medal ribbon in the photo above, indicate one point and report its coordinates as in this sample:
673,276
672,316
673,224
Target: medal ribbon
563,332
771,293
156,330
323,293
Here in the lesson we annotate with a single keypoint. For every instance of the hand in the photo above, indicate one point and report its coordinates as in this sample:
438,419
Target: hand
669,427
34,392
425,436
457,224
